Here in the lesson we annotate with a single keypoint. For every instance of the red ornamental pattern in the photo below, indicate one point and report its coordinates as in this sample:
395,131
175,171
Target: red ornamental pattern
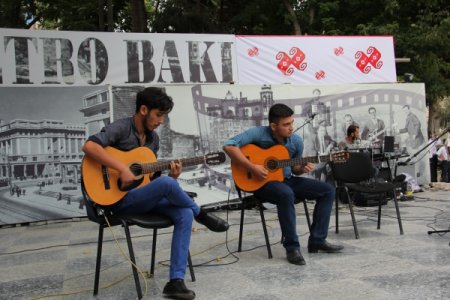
253,52
338,51
366,62
288,63
320,74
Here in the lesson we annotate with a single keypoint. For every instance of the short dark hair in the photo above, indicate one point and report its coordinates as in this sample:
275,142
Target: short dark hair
351,129
372,108
154,98
406,106
279,111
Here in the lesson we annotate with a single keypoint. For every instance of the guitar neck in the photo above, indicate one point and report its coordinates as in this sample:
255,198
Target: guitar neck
303,160
165,165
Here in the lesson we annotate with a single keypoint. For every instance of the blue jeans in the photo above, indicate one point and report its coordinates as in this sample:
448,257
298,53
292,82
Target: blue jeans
283,195
165,196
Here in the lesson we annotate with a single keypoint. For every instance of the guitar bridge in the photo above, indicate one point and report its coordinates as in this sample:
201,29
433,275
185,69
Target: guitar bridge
105,176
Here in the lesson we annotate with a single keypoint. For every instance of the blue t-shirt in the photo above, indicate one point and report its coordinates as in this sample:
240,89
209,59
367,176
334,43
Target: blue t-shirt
262,137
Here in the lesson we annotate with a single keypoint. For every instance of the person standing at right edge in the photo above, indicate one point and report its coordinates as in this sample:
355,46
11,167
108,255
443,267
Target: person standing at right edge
283,194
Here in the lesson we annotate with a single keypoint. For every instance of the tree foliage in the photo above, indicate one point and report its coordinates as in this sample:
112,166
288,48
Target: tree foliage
421,28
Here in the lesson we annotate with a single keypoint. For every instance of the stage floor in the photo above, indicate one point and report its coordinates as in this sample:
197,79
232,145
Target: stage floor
56,260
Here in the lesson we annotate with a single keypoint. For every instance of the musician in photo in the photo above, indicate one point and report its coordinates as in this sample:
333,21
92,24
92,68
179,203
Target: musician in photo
283,194
348,120
374,128
162,195
413,128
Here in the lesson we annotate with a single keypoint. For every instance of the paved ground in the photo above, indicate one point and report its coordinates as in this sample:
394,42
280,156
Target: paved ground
56,260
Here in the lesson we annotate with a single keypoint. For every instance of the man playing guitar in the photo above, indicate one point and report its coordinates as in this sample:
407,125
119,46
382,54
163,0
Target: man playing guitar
162,195
283,194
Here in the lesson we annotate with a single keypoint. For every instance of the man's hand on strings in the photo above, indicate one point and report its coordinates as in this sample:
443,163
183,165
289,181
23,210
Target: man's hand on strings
175,169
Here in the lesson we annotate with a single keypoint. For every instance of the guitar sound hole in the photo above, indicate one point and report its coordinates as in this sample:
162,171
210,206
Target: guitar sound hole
272,164
136,169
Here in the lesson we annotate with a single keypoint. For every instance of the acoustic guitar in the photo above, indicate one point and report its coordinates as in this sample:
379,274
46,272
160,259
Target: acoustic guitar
103,185
274,159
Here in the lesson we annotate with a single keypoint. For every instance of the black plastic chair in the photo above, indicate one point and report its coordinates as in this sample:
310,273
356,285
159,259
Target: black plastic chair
355,176
151,221
252,201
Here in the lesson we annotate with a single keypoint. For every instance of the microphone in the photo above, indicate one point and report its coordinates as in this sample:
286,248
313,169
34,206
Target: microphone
311,117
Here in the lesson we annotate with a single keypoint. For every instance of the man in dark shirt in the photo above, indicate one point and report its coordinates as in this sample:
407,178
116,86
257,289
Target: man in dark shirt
162,195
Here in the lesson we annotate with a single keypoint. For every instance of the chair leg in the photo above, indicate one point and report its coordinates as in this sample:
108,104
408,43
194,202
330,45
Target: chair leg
152,263
241,225
263,222
132,258
336,208
379,210
308,220
352,214
398,213
191,267
99,259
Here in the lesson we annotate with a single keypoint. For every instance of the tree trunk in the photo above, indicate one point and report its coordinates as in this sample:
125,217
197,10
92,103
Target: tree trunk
297,29
101,15
110,16
138,16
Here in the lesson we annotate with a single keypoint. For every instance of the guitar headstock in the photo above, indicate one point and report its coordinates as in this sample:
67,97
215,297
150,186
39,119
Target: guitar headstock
340,156
215,158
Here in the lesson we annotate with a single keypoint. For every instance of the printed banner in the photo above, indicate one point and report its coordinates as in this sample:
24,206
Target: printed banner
40,156
58,58
315,59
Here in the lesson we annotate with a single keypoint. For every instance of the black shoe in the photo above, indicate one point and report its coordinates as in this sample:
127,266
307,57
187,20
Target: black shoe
325,247
295,257
176,289
212,222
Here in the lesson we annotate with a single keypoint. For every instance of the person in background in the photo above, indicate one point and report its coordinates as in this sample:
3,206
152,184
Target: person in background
283,194
433,155
444,162
352,140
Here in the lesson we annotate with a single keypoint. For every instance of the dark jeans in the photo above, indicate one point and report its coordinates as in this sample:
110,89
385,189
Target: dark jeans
433,168
165,196
445,170
283,195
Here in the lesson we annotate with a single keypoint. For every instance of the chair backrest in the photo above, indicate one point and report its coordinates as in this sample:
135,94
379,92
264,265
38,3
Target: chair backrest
357,168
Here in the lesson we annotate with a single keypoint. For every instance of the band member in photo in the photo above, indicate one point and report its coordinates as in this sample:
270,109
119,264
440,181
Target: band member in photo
283,194
374,128
348,120
413,127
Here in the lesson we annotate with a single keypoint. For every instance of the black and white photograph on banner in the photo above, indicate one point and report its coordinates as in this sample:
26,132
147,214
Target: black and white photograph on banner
41,134
43,130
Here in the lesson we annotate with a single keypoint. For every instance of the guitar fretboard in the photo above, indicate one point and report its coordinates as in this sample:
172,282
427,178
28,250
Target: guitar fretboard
302,160
165,165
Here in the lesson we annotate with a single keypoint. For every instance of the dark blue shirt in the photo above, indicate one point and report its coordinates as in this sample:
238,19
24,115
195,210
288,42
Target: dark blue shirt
123,135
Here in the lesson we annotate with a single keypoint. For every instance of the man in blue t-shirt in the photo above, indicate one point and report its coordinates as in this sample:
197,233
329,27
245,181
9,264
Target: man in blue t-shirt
283,194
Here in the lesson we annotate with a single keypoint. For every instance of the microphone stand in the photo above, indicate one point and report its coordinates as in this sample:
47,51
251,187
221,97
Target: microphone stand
406,162
309,120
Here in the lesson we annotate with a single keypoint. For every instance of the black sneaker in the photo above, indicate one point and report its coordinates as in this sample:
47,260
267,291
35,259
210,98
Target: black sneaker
212,222
176,289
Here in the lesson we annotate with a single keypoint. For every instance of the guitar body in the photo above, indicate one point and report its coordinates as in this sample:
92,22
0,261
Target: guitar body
265,157
102,184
